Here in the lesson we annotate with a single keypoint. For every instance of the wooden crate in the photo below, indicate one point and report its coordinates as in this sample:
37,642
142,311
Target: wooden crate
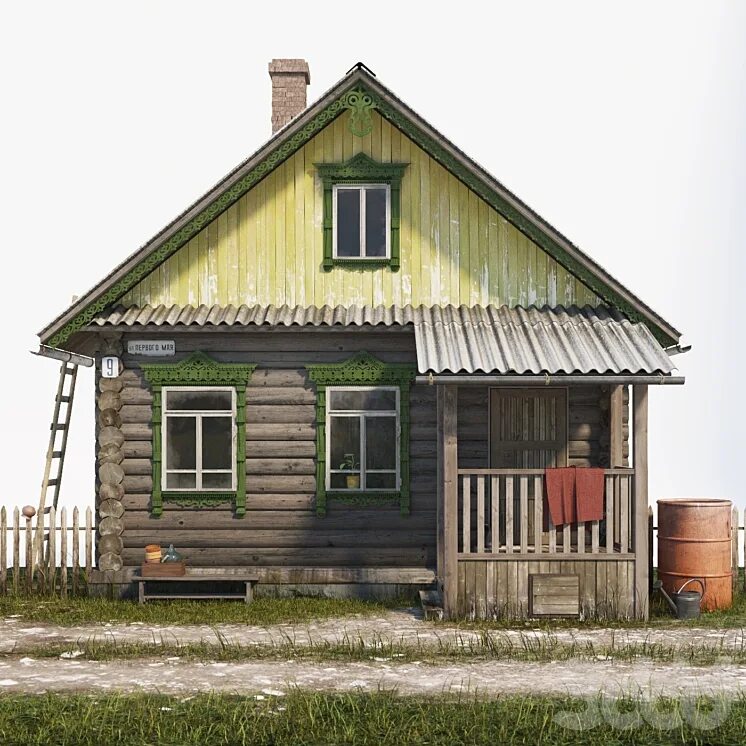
162,569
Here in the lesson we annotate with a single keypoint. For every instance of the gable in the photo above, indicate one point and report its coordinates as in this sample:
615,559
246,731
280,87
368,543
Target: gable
354,98
267,249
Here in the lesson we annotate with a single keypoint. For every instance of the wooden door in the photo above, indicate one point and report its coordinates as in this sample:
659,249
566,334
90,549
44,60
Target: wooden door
528,430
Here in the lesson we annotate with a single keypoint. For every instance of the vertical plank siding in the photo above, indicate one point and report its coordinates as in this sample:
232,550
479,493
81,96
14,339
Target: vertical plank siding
267,247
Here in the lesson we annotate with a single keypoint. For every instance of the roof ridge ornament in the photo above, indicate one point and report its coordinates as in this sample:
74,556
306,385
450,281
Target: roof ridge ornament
361,66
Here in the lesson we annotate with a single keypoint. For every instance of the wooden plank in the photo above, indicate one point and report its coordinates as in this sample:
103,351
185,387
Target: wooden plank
581,537
594,537
480,589
516,556
609,495
491,596
616,438
466,515
566,539
523,482
554,595
447,421
480,514
76,550
640,443
88,543
623,494
512,594
29,558
538,515
495,514
3,550
63,553
522,586
509,502
16,549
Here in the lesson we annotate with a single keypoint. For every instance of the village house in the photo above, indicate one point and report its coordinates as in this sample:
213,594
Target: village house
353,367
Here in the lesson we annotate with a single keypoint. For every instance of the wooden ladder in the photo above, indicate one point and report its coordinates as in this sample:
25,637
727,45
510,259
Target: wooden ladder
55,455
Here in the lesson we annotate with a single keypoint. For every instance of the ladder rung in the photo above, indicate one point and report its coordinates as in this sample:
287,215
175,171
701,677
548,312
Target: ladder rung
58,427
64,399
56,454
53,482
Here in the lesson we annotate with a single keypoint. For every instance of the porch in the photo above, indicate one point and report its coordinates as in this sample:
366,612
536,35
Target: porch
499,553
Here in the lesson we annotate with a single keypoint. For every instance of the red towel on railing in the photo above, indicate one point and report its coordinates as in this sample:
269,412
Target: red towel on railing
561,494
589,494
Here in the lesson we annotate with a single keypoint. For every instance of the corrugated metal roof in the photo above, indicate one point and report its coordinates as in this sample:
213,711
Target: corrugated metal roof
449,339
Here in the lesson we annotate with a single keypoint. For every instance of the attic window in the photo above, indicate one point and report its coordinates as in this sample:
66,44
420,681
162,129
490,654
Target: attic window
362,221
361,212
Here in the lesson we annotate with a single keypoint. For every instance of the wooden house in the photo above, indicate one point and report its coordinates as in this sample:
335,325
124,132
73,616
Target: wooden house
348,365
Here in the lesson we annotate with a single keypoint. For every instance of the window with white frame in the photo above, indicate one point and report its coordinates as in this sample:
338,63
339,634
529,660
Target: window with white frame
362,443
362,221
199,438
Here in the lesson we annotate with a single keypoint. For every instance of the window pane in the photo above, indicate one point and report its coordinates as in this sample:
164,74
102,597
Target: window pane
380,443
204,400
380,481
348,222
181,481
375,222
181,439
376,399
344,440
217,481
217,443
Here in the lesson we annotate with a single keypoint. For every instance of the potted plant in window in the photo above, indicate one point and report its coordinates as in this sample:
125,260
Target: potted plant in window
350,464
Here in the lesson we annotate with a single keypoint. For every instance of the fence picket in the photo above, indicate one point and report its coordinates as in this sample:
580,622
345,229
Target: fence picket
466,515
16,548
63,553
3,550
538,515
88,542
480,515
495,511
76,549
51,559
523,482
29,558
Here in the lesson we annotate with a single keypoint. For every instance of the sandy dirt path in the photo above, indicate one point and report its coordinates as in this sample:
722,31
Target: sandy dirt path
488,679
402,627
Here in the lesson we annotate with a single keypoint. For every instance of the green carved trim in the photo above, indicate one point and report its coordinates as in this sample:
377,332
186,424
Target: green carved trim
361,104
350,100
198,499
199,370
362,369
365,498
361,169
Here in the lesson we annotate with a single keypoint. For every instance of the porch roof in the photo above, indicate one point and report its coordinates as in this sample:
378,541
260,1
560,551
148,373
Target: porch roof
450,339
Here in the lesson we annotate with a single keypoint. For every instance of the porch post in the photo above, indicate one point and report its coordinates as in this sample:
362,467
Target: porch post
616,426
640,445
447,516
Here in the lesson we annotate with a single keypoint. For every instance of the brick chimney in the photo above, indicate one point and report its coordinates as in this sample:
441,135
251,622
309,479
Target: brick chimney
289,81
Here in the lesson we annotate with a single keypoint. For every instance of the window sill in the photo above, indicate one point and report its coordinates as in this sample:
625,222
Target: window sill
353,497
199,499
359,262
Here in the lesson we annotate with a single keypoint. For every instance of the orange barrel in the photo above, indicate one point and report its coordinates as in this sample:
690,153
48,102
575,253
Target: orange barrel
694,542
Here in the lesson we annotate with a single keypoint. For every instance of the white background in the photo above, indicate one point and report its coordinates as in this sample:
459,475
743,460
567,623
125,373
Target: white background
621,123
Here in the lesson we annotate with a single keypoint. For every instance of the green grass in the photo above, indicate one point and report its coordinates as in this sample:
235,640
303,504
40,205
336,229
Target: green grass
263,611
487,645
380,719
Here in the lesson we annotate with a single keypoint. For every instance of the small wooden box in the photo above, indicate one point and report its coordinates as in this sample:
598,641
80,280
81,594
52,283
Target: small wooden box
162,569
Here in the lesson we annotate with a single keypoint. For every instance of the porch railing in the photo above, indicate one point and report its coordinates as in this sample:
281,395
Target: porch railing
503,512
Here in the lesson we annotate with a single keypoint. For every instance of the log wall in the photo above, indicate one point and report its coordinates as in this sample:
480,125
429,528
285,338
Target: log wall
280,528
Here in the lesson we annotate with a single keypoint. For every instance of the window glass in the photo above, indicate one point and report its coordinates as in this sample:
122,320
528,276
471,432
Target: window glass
181,481
345,443
373,399
204,400
217,442
375,222
181,437
380,443
348,222
222,481
376,481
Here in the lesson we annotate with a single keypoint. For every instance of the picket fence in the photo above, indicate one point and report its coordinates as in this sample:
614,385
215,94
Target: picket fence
53,566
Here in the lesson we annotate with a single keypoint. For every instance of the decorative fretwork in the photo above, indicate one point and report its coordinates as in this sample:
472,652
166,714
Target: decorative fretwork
362,369
457,165
199,370
361,169
361,104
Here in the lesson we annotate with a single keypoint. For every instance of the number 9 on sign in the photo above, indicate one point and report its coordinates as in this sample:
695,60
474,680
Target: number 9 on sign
109,367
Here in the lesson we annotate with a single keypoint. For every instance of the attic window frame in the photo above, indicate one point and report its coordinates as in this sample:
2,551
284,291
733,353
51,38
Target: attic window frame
361,170
362,190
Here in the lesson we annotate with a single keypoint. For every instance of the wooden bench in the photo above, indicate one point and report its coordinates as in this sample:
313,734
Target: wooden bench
173,592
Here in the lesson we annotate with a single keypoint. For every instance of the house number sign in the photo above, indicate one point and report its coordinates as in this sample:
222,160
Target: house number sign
151,347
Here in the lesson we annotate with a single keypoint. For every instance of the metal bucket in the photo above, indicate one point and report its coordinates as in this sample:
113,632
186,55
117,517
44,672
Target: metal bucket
694,541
